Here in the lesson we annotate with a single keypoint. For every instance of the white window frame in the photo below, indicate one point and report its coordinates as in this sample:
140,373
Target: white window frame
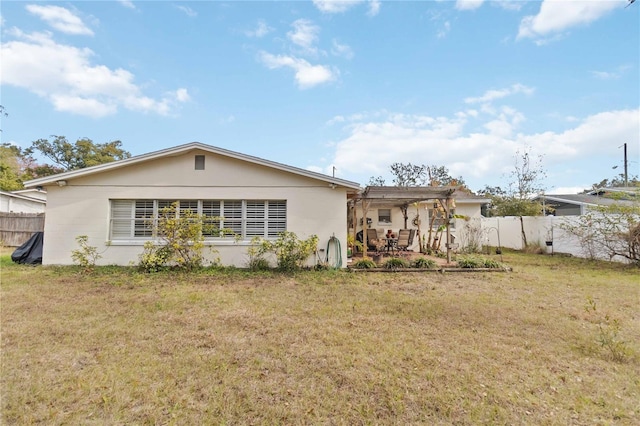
129,219
385,222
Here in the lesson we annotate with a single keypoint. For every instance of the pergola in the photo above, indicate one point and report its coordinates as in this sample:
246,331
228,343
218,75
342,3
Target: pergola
403,197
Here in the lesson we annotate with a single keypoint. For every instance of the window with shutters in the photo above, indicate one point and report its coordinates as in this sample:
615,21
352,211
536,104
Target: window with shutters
135,219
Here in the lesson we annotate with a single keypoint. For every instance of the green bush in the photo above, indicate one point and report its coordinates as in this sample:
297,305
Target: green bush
396,263
86,256
494,264
477,262
608,333
154,258
424,263
180,240
259,264
365,264
291,253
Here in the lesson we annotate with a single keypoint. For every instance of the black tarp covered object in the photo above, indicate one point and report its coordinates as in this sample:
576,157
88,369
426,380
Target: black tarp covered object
31,251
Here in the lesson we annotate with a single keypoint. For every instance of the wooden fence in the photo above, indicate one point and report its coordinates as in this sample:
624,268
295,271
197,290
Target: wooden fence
16,228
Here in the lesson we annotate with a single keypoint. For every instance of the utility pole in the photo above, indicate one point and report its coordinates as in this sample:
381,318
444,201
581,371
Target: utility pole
626,177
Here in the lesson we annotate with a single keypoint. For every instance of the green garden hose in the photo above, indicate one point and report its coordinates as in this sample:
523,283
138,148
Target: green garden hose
338,251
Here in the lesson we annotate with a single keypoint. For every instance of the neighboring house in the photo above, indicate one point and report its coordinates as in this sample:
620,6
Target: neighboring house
112,203
395,208
37,193
577,204
19,202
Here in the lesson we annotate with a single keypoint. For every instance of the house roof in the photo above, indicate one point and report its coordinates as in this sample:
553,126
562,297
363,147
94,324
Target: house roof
22,197
39,194
633,191
584,199
181,149
414,194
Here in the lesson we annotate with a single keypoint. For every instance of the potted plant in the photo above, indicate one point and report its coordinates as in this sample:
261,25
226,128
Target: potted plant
353,245
380,246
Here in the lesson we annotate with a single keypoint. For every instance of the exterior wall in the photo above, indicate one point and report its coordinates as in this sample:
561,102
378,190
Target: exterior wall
19,205
82,207
568,210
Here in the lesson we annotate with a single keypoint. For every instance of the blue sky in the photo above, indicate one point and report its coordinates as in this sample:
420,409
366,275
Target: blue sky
354,85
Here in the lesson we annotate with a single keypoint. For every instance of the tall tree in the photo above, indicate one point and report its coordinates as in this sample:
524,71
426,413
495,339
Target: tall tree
376,181
10,172
18,165
407,174
83,153
615,182
440,176
517,200
526,182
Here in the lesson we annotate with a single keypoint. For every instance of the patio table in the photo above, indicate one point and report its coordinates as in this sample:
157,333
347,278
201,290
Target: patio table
392,244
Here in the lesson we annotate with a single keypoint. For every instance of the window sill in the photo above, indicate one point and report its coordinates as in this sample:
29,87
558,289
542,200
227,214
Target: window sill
142,242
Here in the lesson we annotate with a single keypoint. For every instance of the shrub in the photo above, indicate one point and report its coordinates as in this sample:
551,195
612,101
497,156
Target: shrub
489,263
477,262
534,248
424,263
154,258
365,264
608,333
291,253
180,240
395,263
86,256
256,260
259,264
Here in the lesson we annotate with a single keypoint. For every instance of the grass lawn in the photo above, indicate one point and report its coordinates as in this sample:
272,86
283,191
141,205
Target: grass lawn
231,347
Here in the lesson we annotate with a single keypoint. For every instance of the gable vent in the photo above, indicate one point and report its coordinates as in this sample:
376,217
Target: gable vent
199,162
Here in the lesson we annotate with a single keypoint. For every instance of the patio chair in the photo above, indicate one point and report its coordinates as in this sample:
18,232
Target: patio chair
372,239
403,239
412,234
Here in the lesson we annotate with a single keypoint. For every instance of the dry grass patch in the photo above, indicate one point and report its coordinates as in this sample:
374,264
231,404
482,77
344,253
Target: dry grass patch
118,347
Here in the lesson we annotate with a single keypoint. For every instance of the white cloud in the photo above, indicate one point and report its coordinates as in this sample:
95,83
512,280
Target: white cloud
556,16
306,74
60,19
343,50
341,6
590,135
304,35
374,7
468,4
187,11
480,154
611,75
127,3
492,95
66,77
227,120
335,6
446,27
509,4
261,30
567,190
181,95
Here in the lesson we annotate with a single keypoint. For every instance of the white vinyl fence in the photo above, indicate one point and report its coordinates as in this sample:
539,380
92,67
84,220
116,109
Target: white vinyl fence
545,231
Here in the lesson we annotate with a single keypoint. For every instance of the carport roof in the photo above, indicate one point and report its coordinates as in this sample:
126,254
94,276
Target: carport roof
395,195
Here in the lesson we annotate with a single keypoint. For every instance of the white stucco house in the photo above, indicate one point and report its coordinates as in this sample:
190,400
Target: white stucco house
580,204
111,203
22,202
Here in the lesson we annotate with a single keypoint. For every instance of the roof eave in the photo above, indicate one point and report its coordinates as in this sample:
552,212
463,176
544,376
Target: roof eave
49,180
